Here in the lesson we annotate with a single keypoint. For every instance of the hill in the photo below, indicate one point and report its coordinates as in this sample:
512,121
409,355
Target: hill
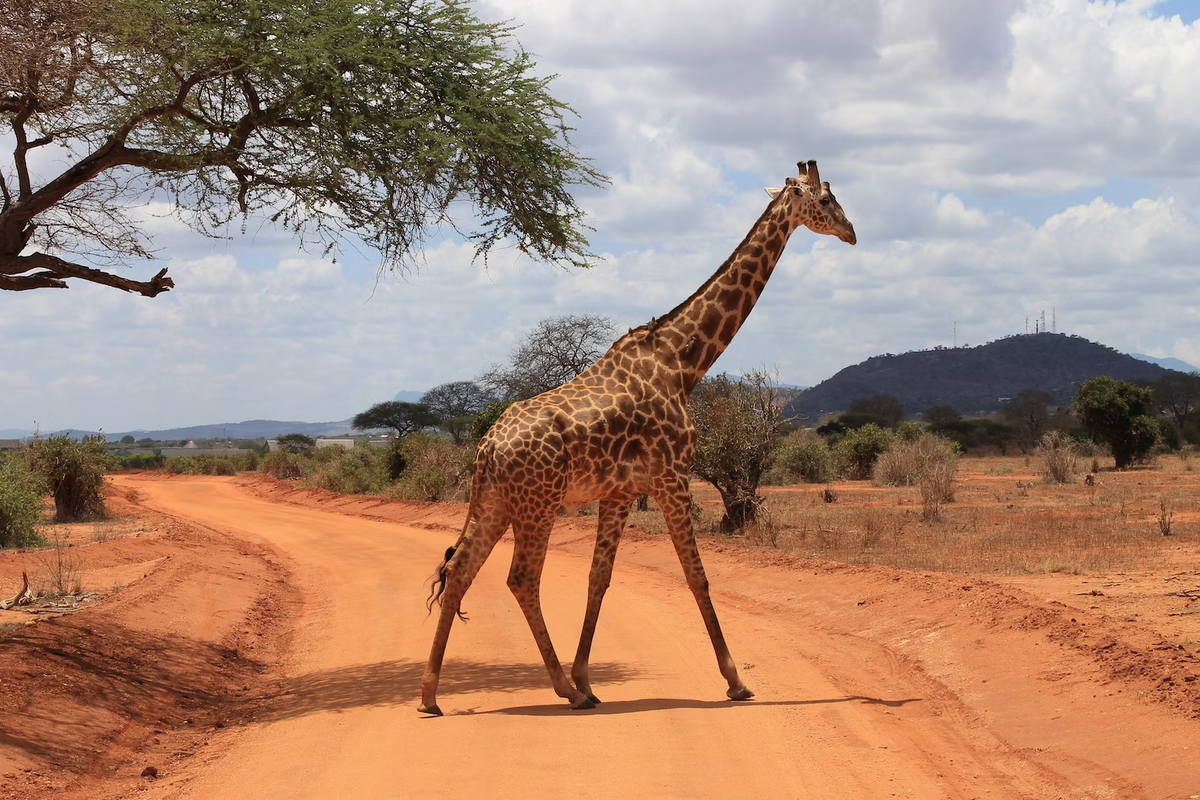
975,380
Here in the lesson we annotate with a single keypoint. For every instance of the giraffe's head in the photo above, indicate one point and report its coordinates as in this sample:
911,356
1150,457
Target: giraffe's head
812,205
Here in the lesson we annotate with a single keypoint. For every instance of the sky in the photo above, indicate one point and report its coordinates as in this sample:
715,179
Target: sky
997,159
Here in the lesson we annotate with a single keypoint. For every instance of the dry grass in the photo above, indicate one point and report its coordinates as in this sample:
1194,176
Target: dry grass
1004,520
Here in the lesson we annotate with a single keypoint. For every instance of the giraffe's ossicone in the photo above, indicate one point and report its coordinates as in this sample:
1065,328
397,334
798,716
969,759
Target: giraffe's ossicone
617,431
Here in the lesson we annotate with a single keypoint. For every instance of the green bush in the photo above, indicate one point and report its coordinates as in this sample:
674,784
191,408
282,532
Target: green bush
909,431
855,453
282,464
803,457
20,503
358,471
140,461
74,471
436,469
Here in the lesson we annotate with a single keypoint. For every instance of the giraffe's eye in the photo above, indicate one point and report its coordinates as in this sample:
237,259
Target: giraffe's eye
824,201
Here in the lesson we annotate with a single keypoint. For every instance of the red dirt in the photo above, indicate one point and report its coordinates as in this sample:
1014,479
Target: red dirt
275,644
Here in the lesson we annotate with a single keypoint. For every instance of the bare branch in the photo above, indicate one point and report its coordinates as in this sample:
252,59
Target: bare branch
56,269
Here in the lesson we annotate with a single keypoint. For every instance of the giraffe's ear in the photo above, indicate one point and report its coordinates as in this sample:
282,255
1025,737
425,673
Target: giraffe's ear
772,191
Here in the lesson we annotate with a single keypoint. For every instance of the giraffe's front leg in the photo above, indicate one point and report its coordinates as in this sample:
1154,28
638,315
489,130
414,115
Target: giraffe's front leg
524,579
676,504
613,514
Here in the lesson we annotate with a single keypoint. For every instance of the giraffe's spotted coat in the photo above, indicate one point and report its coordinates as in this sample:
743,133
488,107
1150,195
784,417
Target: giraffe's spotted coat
618,430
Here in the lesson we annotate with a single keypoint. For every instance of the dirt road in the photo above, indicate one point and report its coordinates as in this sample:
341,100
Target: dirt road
869,682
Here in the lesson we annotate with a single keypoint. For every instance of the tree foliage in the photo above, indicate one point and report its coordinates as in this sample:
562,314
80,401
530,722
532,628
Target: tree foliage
404,418
456,405
21,495
737,422
296,443
1117,412
74,472
334,118
1029,413
554,352
855,453
884,409
1177,394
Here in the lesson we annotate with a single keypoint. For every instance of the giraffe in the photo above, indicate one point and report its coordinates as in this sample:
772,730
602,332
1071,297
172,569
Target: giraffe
617,431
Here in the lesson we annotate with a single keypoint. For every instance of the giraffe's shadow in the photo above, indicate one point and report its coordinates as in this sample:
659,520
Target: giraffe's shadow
671,703
393,683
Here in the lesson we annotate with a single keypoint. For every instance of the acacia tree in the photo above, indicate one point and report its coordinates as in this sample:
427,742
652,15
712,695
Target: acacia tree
337,119
554,352
456,404
1178,394
1029,413
404,418
1117,412
737,422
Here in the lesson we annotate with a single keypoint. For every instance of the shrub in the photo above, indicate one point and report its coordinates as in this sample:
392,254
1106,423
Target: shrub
361,470
909,431
140,461
803,456
74,471
937,487
436,469
281,464
20,503
1060,457
908,461
856,451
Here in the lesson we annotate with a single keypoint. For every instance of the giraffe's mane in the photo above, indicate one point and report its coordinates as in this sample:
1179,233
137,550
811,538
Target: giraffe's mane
674,312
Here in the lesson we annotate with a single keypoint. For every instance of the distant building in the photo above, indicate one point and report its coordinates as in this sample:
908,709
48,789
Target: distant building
10,444
347,444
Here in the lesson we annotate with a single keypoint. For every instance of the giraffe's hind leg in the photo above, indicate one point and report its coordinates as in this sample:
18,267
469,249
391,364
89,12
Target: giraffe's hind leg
482,535
613,514
532,537
677,509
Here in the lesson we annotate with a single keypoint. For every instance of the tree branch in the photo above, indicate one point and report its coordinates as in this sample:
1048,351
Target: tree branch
56,269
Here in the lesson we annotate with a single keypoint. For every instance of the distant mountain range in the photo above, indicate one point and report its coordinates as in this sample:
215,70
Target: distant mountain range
1167,363
975,380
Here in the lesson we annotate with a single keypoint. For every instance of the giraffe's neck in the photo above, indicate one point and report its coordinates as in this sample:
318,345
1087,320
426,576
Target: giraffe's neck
702,326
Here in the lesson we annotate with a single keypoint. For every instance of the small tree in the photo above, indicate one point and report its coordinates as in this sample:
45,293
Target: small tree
74,471
940,415
456,405
484,419
404,418
736,422
554,352
855,453
1116,412
296,443
885,408
1029,413
20,502
1177,394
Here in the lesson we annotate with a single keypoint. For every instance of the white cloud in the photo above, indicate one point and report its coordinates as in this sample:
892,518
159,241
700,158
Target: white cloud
939,124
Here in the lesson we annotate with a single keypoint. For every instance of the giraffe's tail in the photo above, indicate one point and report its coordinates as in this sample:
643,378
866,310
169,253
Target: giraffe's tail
439,581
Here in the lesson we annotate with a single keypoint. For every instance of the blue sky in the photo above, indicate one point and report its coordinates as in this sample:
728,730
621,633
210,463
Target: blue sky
997,159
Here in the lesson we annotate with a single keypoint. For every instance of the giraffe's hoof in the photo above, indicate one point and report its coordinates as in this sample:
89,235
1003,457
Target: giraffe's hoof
584,702
593,698
431,709
740,693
